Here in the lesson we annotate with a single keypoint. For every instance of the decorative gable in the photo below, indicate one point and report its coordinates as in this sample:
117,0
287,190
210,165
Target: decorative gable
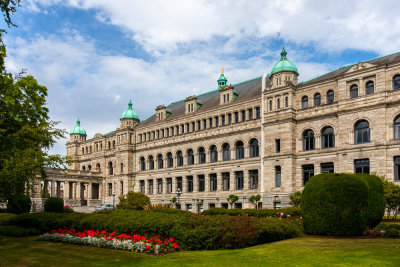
227,94
192,104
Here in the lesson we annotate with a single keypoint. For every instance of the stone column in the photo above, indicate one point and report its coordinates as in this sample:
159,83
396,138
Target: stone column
66,190
74,185
246,180
58,188
36,187
90,190
45,188
53,188
232,181
78,190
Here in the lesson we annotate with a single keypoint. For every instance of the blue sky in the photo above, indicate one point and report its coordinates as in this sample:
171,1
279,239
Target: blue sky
95,55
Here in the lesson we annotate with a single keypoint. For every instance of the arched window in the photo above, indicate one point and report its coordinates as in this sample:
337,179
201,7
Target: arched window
254,151
213,154
270,105
142,164
396,128
226,152
278,103
361,132
89,168
151,163
170,160
327,137
83,151
202,155
330,97
98,168
308,140
110,168
114,144
179,159
304,102
109,145
317,99
353,91
160,161
83,168
190,157
239,147
369,87
396,82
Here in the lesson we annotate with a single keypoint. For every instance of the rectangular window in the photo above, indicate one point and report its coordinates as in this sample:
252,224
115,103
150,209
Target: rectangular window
172,131
277,205
189,207
179,183
190,183
250,114
225,181
258,115
211,205
243,115
238,206
210,124
253,175
236,116
198,125
122,167
204,124
229,118
223,120
327,167
122,188
142,187
224,205
193,127
308,172
169,185
216,121
110,189
239,180
187,128
213,182
150,187
397,168
202,183
182,129
277,145
361,166
159,186
278,176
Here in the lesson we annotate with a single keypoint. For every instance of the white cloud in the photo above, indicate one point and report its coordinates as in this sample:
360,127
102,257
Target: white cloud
333,25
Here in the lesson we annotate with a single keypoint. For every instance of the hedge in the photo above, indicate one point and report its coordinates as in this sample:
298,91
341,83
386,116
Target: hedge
54,204
335,204
292,211
192,232
376,199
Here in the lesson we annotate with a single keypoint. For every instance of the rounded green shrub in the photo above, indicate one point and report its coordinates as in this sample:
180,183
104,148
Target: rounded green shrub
335,204
133,201
54,204
376,199
19,204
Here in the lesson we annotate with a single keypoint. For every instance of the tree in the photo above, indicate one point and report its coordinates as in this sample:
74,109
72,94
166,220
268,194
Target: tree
173,201
232,199
255,200
392,197
133,201
26,132
295,199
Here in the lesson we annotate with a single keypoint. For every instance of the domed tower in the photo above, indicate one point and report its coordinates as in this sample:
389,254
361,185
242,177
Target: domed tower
222,80
284,72
129,117
77,133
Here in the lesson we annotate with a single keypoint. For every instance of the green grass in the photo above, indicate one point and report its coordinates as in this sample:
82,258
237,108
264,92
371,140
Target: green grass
305,251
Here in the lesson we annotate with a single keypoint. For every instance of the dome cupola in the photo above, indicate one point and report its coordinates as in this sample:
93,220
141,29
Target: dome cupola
222,80
284,64
129,113
78,129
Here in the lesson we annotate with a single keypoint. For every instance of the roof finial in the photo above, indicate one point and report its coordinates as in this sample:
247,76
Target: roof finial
78,122
130,103
283,52
222,70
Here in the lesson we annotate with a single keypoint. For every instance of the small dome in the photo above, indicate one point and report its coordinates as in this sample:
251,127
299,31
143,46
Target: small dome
129,113
78,129
284,64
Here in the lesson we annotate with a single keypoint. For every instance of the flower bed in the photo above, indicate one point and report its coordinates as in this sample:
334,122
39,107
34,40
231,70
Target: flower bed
113,240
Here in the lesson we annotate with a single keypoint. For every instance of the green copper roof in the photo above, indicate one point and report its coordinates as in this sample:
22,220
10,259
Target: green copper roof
284,64
222,80
129,113
78,129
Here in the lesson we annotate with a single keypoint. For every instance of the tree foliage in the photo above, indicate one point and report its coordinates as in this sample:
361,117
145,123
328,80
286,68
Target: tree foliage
295,199
26,131
133,201
232,199
255,200
392,197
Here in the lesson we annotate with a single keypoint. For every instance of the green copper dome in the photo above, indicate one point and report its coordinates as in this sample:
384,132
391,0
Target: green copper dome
222,80
284,64
129,113
78,129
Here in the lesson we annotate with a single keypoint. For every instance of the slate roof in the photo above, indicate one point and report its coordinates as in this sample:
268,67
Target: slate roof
246,90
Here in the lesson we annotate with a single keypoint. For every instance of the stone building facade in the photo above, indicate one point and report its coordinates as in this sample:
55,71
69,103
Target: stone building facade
266,136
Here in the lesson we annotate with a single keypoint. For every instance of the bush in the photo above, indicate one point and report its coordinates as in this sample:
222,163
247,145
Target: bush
376,199
253,212
19,204
335,204
295,199
18,231
54,204
192,232
133,201
5,217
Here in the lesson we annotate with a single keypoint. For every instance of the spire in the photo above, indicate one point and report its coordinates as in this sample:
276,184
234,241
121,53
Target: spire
283,53
78,122
130,104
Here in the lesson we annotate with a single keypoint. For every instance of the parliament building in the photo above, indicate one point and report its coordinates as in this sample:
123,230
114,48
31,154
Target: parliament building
265,136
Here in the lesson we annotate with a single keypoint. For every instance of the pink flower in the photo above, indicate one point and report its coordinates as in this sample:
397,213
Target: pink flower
288,216
281,214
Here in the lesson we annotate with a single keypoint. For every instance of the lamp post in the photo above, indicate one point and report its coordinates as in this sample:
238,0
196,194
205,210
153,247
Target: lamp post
179,193
113,195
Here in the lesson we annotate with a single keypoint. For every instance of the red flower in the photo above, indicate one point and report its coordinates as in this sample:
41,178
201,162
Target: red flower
148,247
171,239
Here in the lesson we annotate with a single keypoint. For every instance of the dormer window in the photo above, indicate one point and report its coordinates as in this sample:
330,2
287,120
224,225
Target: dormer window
162,113
192,104
227,94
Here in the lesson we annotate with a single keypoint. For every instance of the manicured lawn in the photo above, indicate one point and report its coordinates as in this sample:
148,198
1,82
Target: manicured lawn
305,251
